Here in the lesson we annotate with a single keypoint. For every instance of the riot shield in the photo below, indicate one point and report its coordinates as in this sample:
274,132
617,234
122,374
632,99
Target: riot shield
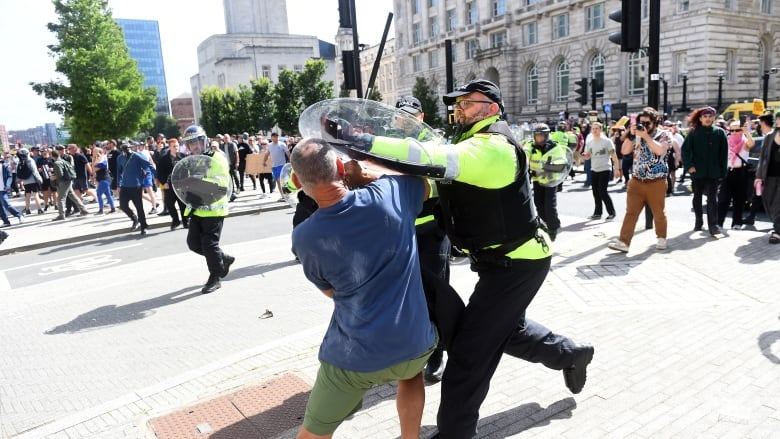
196,185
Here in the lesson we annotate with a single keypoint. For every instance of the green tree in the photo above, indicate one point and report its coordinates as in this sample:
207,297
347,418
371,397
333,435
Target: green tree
344,92
429,101
312,88
375,95
287,100
245,112
211,110
166,125
229,114
102,94
263,103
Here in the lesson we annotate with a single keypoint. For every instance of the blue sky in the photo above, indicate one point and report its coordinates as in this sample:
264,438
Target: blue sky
182,27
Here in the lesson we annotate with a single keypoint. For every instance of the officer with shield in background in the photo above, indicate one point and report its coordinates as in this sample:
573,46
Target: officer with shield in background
203,181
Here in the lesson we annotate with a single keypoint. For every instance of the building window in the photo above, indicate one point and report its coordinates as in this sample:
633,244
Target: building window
562,82
499,7
529,34
766,6
731,5
280,67
594,17
417,63
298,68
221,80
762,64
416,6
416,34
498,39
452,19
530,2
433,59
266,71
532,84
683,6
636,72
645,9
472,46
560,26
433,26
471,13
597,72
680,65
730,70
432,3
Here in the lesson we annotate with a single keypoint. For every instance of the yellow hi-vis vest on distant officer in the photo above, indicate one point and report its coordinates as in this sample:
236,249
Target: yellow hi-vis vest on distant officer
550,162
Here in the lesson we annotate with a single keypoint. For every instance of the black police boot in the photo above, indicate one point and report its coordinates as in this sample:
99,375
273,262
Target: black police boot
575,375
212,284
434,369
227,261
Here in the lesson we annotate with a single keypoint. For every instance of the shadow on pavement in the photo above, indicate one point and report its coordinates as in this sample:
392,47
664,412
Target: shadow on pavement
521,418
110,315
750,253
130,236
254,270
765,342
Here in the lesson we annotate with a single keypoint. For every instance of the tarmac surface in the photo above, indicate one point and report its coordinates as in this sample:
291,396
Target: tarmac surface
687,346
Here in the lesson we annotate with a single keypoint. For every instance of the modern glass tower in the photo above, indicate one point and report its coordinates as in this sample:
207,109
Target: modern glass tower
143,41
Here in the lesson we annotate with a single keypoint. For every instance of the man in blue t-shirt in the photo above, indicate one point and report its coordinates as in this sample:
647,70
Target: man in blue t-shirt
359,248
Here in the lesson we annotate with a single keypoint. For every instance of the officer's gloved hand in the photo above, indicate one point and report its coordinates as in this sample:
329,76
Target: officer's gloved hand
340,129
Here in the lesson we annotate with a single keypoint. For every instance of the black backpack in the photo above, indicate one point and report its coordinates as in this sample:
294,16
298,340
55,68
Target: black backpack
24,171
68,172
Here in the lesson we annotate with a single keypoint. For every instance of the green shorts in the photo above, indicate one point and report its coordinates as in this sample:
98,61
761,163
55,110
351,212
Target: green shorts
338,393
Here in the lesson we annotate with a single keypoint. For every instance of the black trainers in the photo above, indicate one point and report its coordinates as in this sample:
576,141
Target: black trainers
575,375
227,261
434,369
134,227
212,284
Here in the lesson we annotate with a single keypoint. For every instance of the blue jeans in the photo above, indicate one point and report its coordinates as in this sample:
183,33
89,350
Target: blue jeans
5,205
104,188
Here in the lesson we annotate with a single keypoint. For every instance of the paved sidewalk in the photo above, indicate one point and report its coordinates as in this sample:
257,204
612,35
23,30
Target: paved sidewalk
39,231
687,346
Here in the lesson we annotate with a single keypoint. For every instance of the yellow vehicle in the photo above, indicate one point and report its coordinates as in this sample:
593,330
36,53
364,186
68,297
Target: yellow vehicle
739,111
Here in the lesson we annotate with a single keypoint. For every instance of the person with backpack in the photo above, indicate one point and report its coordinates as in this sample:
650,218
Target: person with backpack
28,175
64,174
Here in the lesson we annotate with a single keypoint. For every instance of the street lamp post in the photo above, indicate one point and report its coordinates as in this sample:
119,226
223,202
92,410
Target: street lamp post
721,74
684,106
765,77
666,94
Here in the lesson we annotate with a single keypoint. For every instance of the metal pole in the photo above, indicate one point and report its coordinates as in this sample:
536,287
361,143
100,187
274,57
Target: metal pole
720,91
448,65
378,59
653,52
766,87
356,50
685,94
666,96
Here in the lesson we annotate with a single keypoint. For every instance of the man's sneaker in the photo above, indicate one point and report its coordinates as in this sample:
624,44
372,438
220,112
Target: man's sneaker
5,224
434,369
610,217
212,284
774,238
594,217
715,231
575,375
661,244
134,227
58,218
227,261
20,217
619,246
84,212
153,211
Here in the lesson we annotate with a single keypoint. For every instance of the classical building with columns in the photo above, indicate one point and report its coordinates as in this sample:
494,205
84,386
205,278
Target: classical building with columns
536,50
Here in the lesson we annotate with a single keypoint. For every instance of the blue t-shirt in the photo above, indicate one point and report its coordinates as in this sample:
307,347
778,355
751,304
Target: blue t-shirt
364,248
135,171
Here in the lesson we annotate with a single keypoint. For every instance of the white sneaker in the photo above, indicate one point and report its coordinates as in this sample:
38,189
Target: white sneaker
661,244
619,246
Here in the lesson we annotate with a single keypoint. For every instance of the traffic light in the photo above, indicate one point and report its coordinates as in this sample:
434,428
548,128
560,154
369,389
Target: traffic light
582,91
630,18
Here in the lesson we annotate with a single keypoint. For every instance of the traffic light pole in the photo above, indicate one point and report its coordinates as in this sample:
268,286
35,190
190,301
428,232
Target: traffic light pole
653,52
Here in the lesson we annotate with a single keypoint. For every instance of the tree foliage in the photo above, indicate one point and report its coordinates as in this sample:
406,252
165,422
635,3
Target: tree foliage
375,95
287,99
429,101
101,92
311,85
263,103
165,125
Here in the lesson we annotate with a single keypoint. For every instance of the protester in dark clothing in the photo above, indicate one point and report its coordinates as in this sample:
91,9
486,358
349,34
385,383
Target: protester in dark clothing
165,166
135,170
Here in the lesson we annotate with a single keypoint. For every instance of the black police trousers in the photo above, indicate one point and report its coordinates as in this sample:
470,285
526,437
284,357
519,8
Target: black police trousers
492,324
203,238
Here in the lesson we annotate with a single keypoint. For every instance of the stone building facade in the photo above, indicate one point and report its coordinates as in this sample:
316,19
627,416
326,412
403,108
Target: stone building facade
536,50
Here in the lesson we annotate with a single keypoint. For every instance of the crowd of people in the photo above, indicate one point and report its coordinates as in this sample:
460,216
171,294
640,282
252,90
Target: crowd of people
375,243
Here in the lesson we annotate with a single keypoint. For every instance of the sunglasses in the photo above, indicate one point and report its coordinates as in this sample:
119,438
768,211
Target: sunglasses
735,131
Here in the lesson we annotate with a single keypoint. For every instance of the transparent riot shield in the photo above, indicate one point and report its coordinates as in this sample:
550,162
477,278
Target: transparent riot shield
349,125
197,185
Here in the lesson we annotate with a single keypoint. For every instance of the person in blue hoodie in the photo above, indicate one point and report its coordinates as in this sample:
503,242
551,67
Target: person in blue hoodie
135,168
